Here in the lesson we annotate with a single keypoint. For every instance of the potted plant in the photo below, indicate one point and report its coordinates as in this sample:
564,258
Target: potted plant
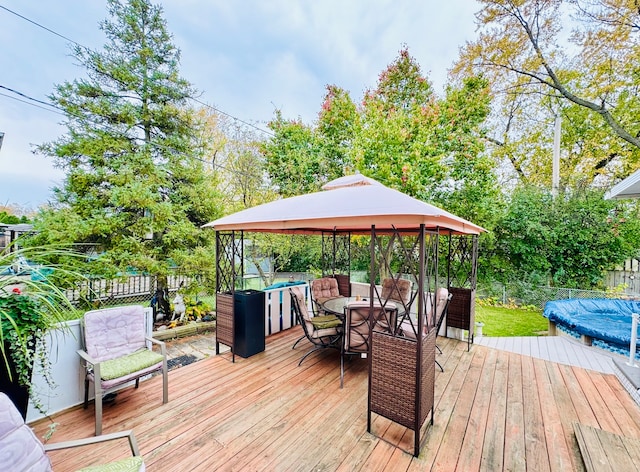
30,305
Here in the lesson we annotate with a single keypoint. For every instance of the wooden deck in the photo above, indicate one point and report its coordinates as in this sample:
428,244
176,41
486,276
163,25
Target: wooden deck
495,410
562,349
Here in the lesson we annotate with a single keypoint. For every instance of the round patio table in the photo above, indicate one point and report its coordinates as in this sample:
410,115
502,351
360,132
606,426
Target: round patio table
337,305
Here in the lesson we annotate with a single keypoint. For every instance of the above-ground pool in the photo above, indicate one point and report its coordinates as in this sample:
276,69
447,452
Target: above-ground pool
606,320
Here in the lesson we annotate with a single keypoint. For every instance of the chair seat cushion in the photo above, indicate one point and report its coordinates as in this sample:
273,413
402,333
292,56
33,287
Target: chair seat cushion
326,321
130,464
125,365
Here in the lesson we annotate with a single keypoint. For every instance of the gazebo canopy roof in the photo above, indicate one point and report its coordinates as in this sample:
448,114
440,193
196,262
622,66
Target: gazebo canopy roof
628,188
354,203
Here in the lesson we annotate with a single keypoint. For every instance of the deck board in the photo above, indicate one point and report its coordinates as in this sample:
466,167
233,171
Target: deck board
536,453
561,349
514,440
476,429
495,410
605,451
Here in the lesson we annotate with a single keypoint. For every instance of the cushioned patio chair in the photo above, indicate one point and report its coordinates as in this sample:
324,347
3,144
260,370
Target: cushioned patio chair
116,353
396,289
322,290
443,298
20,449
322,331
357,332
409,327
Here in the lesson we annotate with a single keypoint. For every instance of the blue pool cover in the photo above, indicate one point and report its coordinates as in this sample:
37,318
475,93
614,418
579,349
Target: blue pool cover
599,318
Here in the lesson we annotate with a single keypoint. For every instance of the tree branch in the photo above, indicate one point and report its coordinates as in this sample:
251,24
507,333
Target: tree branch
557,84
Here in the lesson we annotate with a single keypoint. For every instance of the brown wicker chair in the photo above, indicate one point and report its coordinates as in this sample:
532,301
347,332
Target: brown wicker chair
344,284
357,331
322,331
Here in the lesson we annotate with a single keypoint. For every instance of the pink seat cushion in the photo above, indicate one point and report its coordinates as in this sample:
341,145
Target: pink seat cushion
114,332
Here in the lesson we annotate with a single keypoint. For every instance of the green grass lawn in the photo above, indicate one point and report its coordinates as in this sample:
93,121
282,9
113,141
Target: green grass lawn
500,321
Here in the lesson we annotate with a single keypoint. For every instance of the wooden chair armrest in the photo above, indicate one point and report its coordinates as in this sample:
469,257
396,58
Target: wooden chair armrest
97,439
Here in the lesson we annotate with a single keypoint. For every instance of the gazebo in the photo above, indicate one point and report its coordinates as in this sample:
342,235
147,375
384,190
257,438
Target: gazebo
407,236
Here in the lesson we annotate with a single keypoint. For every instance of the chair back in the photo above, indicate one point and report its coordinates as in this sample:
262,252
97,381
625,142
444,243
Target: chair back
344,284
442,302
324,288
299,306
114,332
356,324
396,289
20,449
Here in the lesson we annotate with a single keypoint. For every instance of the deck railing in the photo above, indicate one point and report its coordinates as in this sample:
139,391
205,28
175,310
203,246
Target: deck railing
278,313
130,289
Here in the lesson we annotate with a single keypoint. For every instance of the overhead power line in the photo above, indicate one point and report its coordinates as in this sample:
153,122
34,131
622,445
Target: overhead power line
41,26
29,103
66,38
31,98
56,109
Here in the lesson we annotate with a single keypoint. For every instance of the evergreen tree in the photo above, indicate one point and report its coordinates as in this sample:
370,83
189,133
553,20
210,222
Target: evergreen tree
135,186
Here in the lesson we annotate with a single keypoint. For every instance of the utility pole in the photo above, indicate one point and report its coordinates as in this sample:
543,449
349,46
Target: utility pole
1,138
555,168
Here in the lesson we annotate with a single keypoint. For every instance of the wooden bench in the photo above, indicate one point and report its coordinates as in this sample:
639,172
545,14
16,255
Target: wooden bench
603,451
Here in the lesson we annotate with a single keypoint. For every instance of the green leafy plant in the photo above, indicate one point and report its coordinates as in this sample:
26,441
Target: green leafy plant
29,307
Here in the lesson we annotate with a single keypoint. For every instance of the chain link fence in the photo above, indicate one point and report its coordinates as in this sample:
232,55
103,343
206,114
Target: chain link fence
522,294
123,290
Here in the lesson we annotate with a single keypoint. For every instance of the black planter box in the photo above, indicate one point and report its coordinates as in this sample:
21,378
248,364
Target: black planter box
249,322
18,394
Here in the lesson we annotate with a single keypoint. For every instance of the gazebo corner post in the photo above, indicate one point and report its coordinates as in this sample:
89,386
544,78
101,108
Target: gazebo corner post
372,281
462,272
418,360
449,264
335,249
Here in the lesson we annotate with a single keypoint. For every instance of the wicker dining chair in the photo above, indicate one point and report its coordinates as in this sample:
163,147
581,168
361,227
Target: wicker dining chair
396,289
322,331
322,290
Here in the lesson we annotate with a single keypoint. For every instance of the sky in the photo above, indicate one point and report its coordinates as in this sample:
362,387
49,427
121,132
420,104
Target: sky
247,58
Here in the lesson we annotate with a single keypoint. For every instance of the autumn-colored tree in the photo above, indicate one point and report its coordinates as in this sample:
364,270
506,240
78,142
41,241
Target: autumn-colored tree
401,134
573,58
293,158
